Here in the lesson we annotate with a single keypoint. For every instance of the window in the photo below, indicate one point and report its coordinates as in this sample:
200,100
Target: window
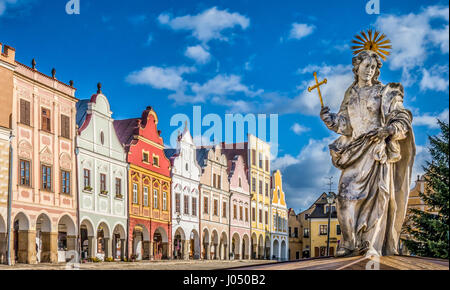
177,203
253,214
338,230
216,207
145,157
254,157
135,193
102,138
103,183
65,182
219,182
241,213
261,160
46,172
155,199
323,230
240,182
145,196
234,211
224,209
46,120
267,189
118,187
155,161
290,232
266,218
246,214
214,181
194,206
205,205
253,184
87,178
25,173
267,164
164,200
275,224
305,232
25,115
260,187
186,205
260,216
65,127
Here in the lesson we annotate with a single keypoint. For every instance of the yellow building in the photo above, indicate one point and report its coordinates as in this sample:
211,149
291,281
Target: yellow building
259,177
314,223
279,238
295,239
7,66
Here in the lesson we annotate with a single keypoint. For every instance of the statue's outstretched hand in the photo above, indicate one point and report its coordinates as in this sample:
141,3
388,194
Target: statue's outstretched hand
326,116
383,133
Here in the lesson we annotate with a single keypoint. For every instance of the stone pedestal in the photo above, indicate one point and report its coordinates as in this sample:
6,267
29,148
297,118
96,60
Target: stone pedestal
49,252
26,252
92,247
147,253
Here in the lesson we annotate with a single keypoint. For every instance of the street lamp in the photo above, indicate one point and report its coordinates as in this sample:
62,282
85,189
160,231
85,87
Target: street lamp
330,200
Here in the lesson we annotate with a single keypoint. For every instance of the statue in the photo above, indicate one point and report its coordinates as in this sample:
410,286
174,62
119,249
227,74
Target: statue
375,154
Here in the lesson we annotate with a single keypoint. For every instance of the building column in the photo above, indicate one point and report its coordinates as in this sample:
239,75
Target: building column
186,246
147,247
49,247
122,249
92,247
165,251
226,253
108,248
208,251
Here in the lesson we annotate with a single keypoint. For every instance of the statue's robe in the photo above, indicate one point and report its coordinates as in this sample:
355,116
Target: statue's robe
375,182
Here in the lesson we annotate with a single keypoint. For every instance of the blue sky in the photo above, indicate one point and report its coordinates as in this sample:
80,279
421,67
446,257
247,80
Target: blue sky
243,56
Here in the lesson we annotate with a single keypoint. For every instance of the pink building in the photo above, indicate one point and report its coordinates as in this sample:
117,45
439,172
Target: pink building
239,209
44,206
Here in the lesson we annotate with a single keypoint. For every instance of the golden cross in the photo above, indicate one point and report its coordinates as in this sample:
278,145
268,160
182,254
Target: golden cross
317,86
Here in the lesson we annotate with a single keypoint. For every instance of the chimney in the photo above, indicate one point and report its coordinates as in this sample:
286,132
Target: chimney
7,54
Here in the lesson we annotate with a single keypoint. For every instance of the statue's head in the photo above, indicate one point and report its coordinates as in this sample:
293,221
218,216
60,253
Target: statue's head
366,66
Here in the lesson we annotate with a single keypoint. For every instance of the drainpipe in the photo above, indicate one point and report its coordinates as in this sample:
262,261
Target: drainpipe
11,136
127,250
77,151
229,226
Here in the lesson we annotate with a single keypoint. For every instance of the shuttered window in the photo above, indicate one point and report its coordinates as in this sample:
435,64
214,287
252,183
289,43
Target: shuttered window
25,114
45,120
65,126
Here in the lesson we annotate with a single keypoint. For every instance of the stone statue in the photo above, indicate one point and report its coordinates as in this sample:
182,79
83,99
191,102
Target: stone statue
375,154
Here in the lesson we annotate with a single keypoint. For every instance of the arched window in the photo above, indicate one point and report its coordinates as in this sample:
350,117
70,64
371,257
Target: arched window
102,137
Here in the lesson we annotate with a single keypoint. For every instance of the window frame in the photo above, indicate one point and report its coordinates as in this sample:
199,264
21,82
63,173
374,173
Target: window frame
27,180
48,184
65,182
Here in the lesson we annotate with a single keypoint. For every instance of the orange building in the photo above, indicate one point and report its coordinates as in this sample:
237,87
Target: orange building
149,223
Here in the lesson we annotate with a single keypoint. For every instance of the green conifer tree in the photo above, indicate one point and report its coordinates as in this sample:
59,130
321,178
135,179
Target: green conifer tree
429,230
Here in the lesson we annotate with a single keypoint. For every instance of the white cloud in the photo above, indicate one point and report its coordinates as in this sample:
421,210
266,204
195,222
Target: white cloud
430,121
413,37
435,79
304,176
299,129
198,53
169,78
300,30
422,157
207,25
223,85
4,5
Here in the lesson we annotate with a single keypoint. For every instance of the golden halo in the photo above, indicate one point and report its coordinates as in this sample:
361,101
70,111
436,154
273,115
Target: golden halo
374,42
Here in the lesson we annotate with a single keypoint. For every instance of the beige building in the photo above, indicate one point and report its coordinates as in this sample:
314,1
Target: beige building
7,66
295,239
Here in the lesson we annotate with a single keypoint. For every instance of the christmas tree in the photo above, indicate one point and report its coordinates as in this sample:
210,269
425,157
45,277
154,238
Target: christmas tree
429,229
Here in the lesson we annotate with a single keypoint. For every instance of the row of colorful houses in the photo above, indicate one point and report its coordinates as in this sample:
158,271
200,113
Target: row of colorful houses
76,182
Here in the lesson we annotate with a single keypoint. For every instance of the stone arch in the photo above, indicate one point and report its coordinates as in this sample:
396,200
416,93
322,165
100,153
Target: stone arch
275,250
103,240
194,245
87,237
267,247
206,244
179,244
245,248
160,244
140,242
43,226
236,246
223,246
283,251
261,246
67,238
21,240
254,246
2,225
118,241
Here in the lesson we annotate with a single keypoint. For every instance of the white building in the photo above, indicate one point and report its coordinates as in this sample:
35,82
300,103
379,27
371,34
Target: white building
185,198
102,181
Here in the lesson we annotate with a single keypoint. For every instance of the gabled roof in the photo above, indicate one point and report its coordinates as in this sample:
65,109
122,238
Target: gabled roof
126,129
202,155
82,107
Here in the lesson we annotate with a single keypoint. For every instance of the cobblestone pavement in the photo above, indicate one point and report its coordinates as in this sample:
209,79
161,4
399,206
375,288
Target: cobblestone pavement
144,265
